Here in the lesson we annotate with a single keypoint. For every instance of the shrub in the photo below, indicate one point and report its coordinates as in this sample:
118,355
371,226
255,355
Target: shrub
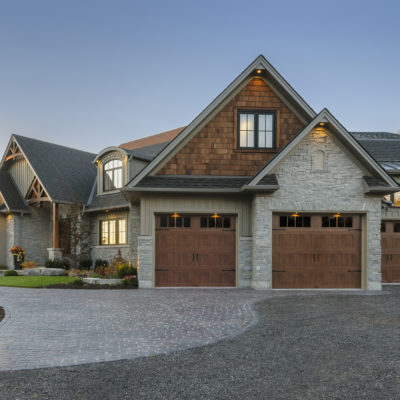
11,272
57,263
77,281
100,263
124,269
130,280
85,263
3,267
79,273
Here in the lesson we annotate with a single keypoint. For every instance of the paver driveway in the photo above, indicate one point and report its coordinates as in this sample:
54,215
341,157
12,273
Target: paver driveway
59,327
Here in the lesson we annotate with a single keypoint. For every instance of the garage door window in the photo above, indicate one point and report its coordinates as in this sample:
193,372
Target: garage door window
396,227
174,222
212,222
337,222
288,221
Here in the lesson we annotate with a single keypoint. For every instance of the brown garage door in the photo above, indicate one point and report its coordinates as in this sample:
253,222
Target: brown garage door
195,250
390,241
316,251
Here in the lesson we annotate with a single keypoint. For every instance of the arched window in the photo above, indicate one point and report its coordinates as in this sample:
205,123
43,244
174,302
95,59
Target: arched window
112,176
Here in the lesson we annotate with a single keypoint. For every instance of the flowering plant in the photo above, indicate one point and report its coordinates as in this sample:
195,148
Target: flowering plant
19,252
129,280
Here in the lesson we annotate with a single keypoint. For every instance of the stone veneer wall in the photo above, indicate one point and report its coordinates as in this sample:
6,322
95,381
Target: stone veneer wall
128,251
336,186
244,270
145,256
3,250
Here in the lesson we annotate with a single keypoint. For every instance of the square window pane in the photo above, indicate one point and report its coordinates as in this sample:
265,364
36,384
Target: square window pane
306,222
104,232
299,222
186,222
261,139
243,139
243,122
250,139
332,222
349,222
250,122
203,222
171,222
340,222
227,222
396,227
218,222
269,142
179,222
113,232
283,221
269,122
211,222
163,221
261,122
291,222
325,222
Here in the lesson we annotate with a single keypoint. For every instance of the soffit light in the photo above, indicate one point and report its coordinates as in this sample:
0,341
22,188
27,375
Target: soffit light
259,71
175,215
295,215
215,215
337,215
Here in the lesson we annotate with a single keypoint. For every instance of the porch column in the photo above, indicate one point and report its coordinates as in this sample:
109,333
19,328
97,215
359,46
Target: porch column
55,252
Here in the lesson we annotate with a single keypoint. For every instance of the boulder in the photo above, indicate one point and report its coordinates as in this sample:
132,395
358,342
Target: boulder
44,271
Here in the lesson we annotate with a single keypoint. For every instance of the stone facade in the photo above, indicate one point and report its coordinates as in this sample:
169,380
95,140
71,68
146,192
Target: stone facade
146,265
244,270
338,186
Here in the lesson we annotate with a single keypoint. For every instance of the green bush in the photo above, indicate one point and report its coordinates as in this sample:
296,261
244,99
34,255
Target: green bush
100,263
3,267
77,282
57,263
10,272
85,263
124,269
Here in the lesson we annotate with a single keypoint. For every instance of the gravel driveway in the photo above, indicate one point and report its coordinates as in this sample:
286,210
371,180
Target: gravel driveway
319,346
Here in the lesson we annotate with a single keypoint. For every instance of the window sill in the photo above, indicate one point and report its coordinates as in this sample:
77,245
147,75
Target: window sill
110,246
250,150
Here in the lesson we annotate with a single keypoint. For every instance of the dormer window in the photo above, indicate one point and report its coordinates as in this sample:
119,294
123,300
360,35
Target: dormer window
256,130
112,176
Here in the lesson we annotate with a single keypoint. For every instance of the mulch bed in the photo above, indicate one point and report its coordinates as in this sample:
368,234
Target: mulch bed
2,313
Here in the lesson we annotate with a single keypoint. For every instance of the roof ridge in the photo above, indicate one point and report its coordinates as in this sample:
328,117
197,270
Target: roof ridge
51,143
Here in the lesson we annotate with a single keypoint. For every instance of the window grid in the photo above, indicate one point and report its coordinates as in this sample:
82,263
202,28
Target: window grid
113,232
256,129
112,177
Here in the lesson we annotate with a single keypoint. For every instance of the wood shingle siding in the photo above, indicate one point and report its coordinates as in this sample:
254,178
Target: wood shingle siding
213,151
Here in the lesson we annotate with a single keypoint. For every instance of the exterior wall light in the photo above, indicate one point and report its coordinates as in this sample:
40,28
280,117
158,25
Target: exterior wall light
259,71
215,215
175,215
295,215
321,124
337,215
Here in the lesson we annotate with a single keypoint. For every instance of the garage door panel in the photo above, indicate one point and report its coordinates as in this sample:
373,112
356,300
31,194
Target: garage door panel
390,244
195,256
314,257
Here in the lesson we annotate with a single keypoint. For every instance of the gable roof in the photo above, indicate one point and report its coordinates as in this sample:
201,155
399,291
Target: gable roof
65,173
162,137
274,80
343,135
375,135
10,194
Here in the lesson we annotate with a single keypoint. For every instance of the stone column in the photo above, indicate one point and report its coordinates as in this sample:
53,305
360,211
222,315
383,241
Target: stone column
374,276
13,237
145,257
262,243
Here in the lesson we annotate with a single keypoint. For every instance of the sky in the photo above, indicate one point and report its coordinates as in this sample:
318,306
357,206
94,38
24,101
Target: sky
93,73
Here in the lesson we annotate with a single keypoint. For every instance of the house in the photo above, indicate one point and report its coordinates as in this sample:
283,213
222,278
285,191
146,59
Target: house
257,191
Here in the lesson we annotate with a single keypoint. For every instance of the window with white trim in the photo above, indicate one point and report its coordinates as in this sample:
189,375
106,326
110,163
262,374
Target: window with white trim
113,232
112,175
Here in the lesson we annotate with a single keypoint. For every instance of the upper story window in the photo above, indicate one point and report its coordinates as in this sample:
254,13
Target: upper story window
112,176
256,129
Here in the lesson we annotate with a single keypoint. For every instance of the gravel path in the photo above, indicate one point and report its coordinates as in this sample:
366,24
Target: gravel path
304,347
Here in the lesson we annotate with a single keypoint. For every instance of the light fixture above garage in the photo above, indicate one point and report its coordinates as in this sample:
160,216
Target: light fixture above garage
295,214
337,215
175,215
215,215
